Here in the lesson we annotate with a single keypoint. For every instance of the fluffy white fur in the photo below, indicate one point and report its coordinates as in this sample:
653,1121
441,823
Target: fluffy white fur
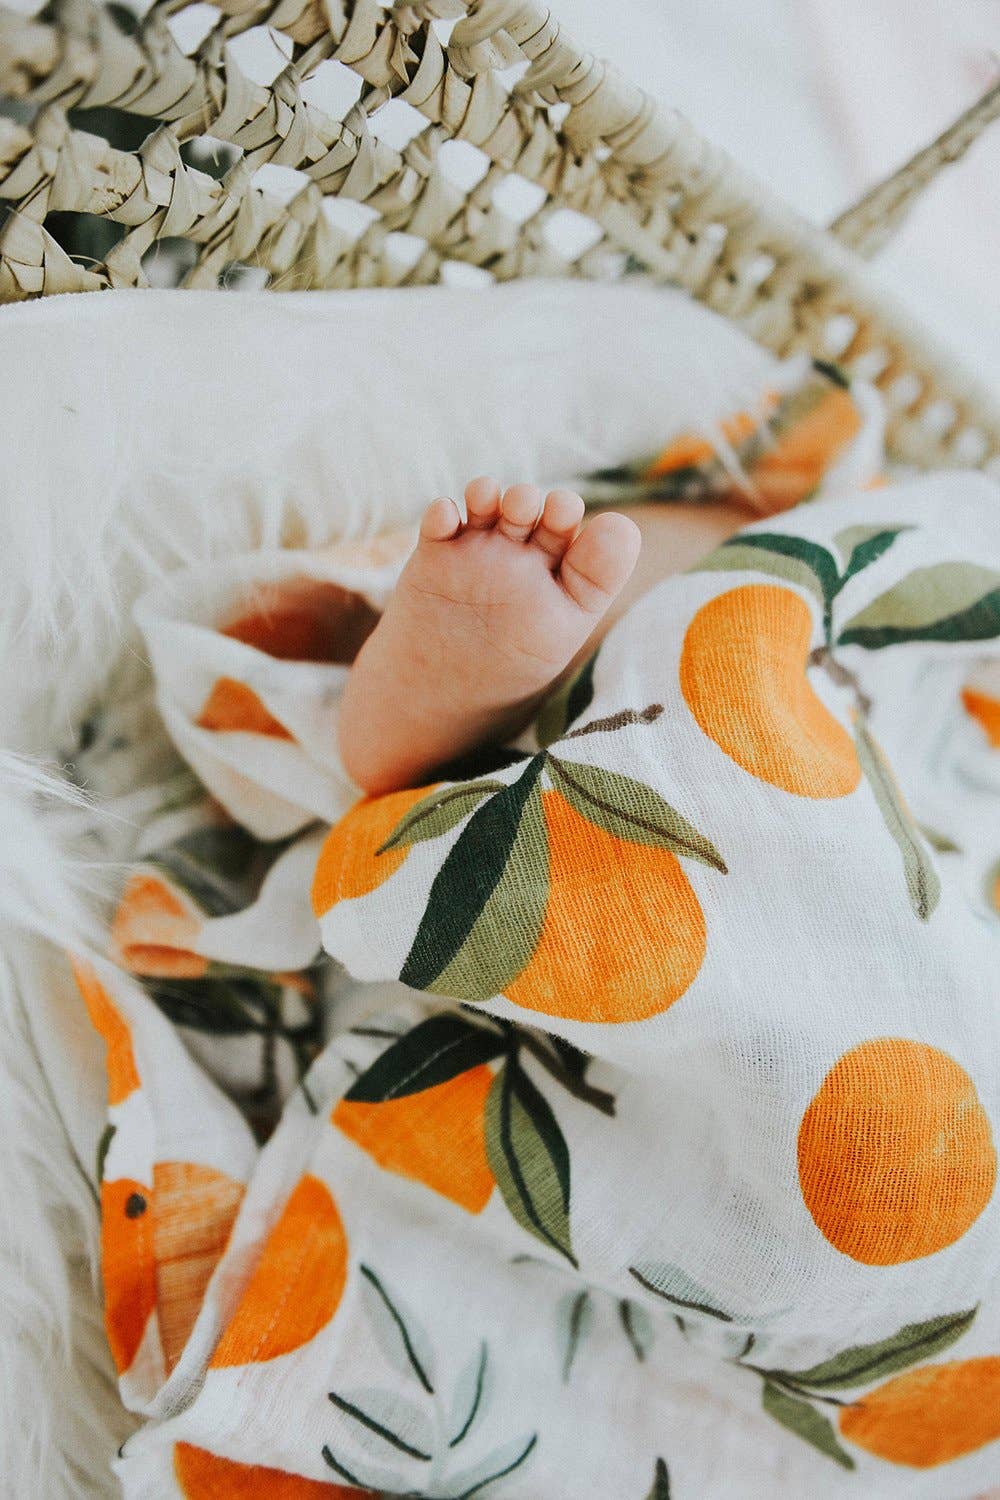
147,430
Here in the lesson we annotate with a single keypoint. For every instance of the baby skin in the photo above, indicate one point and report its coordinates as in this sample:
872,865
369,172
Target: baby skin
489,613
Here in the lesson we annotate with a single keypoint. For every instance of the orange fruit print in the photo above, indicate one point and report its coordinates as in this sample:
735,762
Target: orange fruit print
205,1476
123,1076
623,934
929,1416
154,930
128,1263
895,1153
743,673
349,864
232,706
436,1136
302,1272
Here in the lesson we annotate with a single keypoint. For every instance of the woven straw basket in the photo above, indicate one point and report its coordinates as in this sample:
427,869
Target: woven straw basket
499,75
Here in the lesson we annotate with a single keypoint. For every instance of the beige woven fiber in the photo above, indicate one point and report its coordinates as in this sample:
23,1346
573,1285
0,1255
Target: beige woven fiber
499,75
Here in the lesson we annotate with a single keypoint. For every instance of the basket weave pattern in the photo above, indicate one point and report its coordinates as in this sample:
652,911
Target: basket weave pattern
504,78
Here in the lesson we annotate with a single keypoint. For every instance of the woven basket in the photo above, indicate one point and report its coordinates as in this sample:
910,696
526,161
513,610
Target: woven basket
499,75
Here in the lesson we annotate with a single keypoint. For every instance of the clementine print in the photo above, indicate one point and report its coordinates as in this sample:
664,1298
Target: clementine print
352,861
895,1153
623,934
928,1416
122,1074
743,675
154,929
232,706
986,711
205,1476
129,1267
193,1211
302,1271
791,468
436,1136
305,619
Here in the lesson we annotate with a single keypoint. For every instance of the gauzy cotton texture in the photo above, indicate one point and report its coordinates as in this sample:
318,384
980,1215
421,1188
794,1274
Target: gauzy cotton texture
669,1168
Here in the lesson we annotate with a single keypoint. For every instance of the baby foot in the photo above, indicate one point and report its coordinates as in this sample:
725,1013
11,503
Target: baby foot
487,614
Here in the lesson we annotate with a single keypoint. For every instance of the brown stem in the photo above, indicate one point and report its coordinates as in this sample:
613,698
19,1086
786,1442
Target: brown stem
619,720
842,676
578,1087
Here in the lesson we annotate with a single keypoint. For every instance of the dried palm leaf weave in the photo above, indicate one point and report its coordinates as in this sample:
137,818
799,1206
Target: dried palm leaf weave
652,196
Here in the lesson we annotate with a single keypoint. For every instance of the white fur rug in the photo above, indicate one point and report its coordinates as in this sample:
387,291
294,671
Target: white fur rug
147,430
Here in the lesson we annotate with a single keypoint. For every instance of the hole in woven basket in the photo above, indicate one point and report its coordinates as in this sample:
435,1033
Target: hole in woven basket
463,164
86,238
869,364
404,249
349,217
261,53
969,446
517,198
572,234
168,261
189,27
460,274
283,183
904,390
939,417
243,278
210,155
839,333
333,88
396,123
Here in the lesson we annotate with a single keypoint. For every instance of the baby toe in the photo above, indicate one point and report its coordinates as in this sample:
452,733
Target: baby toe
442,520
482,502
600,561
560,522
519,511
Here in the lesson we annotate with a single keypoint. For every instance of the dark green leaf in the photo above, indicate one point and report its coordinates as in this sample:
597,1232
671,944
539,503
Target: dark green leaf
954,601
529,1158
866,1363
638,1327
381,1414
397,1331
103,1147
661,1483
922,881
631,810
574,1315
219,1007
439,813
435,1050
562,710
465,882
505,934
791,558
468,1396
806,1422
676,1287
864,545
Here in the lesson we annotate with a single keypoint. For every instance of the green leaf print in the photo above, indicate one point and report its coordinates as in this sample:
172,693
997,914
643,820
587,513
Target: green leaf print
805,1421
793,559
953,601
861,546
561,711
432,1052
397,1331
864,1364
384,1416
661,1483
103,1147
922,881
630,810
439,813
529,1158
678,1288
485,908
469,1397
574,1317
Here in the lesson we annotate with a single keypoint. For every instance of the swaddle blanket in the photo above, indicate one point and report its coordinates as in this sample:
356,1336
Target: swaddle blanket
658,1158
